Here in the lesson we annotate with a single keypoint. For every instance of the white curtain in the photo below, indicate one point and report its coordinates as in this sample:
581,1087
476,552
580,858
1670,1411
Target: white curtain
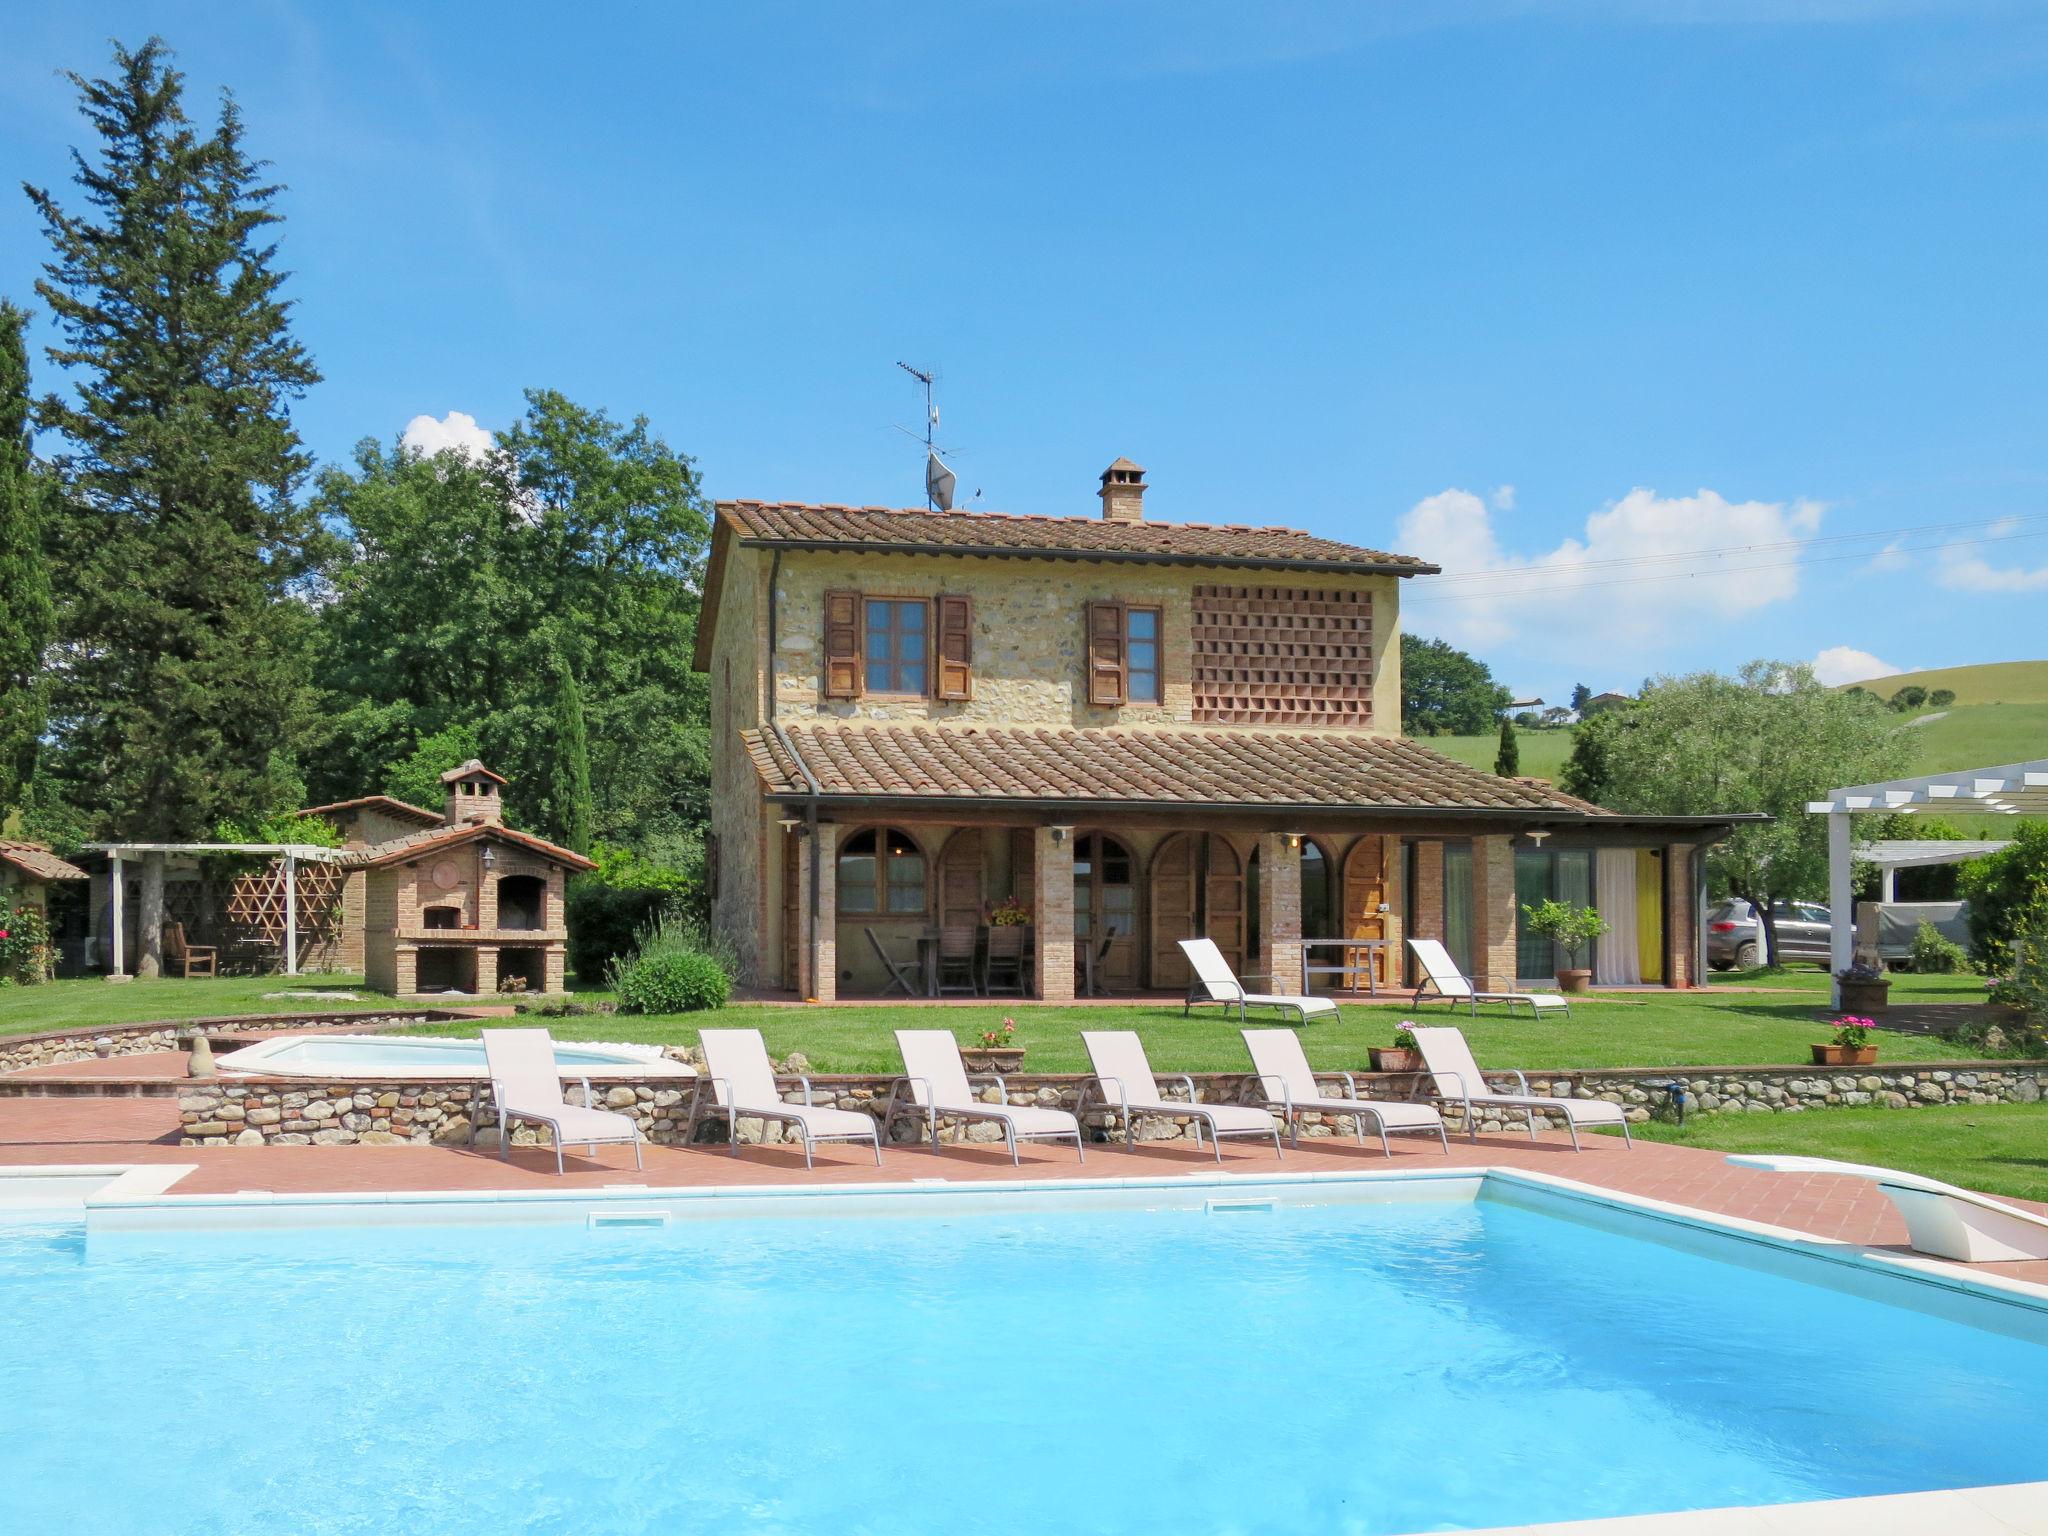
1616,961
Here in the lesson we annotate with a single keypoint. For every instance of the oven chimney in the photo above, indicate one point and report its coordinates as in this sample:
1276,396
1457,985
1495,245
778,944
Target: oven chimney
1123,493
473,795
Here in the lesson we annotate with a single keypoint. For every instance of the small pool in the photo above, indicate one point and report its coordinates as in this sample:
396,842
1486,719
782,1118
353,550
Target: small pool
344,1056
1239,1366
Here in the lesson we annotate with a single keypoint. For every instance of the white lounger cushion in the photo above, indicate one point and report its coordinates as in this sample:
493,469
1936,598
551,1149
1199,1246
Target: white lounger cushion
743,1079
938,1080
1222,985
1449,981
1457,1076
1281,1063
527,1084
1118,1057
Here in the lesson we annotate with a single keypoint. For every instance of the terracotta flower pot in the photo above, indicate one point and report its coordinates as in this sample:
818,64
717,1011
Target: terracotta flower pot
1574,982
1004,1059
1844,1055
1395,1058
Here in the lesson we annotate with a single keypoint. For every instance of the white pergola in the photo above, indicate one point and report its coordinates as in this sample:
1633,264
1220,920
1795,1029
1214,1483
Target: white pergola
2015,789
1894,854
291,853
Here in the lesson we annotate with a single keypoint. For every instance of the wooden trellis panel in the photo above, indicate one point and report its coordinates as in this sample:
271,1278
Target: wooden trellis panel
1282,656
255,905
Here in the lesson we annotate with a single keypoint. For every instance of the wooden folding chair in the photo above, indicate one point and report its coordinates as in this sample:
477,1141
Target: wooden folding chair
902,977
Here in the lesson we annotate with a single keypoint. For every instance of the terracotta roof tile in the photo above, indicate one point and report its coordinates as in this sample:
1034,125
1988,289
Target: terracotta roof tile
379,802
414,844
1342,770
36,861
837,527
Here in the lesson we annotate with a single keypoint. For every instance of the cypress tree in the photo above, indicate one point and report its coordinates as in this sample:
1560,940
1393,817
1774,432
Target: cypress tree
184,690
1507,762
569,765
25,617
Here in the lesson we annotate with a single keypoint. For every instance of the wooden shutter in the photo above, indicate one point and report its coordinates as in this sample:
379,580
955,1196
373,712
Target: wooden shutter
955,648
1106,653
842,645
1172,909
960,894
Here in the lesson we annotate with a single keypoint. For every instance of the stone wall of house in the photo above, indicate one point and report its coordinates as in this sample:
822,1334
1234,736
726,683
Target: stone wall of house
746,903
1028,635
250,1112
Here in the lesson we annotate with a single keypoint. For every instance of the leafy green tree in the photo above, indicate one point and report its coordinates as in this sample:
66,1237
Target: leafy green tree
578,541
1446,692
26,621
417,778
1586,768
2008,895
1909,698
1507,761
181,690
1768,741
1941,698
1581,696
569,764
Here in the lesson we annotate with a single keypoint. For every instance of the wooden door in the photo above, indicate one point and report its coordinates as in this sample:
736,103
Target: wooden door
1106,902
960,893
1365,892
1223,915
1174,865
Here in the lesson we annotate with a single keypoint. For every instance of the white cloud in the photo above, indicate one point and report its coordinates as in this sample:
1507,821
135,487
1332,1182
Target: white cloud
1504,498
1840,664
1963,572
1644,568
1891,558
458,430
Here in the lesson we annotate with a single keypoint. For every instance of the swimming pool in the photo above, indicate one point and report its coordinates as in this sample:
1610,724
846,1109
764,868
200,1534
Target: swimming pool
355,1056
1428,1365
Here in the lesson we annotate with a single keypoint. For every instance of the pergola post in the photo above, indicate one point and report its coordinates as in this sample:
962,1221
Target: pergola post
115,882
291,915
1841,902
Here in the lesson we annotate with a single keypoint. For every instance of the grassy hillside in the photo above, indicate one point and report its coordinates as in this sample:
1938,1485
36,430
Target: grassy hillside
2000,716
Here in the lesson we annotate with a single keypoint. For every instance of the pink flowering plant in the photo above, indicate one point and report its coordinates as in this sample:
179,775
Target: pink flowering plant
1853,1032
24,946
1007,1035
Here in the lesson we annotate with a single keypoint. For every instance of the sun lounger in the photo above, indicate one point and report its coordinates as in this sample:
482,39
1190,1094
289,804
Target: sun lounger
1215,982
1292,1091
938,1084
742,1083
1440,975
526,1085
1941,1219
1456,1079
1123,1078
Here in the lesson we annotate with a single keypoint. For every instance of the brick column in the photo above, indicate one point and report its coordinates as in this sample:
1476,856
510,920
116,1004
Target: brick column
817,949
486,969
405,970
1280,912
1429,889
1680,920
1493,914
1052,913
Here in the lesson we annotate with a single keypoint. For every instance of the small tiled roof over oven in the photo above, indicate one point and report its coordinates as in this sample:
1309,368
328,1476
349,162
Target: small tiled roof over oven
1343,770
434,839
804,525
37,862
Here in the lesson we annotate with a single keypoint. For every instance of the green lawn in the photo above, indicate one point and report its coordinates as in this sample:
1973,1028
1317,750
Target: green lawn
1542,753
74,1004
1720,1027
1999,1148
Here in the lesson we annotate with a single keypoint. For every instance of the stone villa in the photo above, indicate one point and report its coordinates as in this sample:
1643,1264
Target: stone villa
1139,731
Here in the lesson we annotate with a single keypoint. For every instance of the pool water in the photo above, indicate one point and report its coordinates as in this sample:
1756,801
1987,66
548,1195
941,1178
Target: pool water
1361,1368
402,1054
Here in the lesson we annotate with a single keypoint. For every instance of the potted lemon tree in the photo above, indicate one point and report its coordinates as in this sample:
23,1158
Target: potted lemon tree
1572,927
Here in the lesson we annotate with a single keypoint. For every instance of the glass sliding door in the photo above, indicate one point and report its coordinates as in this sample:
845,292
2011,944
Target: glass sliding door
1458,904
1565,875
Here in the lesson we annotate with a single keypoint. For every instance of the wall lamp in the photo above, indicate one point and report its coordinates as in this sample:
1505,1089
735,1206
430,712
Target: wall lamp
1060,834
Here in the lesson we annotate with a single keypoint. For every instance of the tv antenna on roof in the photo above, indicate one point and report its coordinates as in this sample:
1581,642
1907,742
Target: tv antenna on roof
939,480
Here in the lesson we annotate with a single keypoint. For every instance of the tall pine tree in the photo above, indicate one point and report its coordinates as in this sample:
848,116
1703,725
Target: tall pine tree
569,765
25,617
1507,760
182,691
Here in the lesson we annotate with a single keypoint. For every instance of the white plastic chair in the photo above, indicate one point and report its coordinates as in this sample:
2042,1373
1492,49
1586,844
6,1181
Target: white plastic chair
742,1083
1456,1079
526,1085
1291,1089
1215,982
938,1084
1440,971
1124,1080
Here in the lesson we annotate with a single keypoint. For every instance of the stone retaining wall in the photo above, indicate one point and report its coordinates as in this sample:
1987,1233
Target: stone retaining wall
252,1111
55,1045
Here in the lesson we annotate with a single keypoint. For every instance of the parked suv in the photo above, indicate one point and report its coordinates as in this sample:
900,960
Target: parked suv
1735,939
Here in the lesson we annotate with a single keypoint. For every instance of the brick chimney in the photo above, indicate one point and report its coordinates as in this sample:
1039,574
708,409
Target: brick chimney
1123,493
473,795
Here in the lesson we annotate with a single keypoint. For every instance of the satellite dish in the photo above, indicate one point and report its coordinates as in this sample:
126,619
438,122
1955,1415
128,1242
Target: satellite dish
938,482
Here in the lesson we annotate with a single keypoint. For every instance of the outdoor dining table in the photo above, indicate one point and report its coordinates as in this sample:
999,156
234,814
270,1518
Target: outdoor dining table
1372,983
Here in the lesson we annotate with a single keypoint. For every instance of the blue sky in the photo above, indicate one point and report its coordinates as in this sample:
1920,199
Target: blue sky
1569,297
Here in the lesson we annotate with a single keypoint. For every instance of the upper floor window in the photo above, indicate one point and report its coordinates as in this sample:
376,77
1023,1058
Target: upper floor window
1123,654
894,644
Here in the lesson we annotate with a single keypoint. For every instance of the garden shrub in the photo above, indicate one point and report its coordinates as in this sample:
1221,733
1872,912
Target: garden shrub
1934,953
2008,895
611,904
25,957
672,970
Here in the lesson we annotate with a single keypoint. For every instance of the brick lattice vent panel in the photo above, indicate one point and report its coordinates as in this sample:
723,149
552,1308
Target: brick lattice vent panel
1282,656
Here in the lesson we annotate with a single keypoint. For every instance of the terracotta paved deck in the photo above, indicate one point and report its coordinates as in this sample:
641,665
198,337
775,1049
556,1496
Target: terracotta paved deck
97,1130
